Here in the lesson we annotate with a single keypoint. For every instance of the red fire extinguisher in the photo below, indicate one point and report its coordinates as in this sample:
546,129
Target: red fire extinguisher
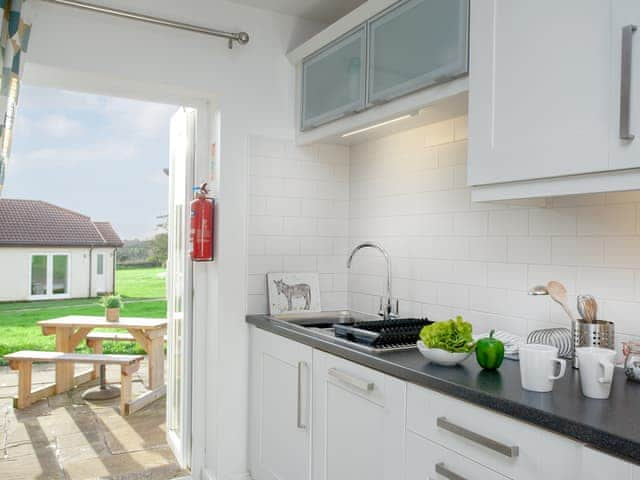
202,215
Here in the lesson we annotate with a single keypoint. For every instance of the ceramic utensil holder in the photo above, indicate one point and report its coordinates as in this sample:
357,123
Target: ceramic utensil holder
600,333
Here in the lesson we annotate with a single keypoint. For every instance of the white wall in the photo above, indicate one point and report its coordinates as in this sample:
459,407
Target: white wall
452,256
298,217
15,268
253,88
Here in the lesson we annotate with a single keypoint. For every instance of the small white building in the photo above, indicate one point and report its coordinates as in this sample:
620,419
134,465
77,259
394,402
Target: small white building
49,252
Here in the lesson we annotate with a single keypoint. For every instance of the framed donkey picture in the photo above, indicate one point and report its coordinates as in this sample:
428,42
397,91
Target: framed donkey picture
293,292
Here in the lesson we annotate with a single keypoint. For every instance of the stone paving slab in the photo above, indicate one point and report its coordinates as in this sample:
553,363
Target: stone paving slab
64,437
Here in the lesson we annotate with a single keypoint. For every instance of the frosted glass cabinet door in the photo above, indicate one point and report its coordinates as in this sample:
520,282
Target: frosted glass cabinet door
417,44
333,81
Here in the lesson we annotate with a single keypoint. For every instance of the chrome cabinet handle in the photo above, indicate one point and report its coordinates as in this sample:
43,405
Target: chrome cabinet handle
441,469
299,408
355,382
625,82
506,450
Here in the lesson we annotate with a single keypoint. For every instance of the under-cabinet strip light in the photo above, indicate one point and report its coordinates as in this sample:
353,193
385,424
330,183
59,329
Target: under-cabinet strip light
393,120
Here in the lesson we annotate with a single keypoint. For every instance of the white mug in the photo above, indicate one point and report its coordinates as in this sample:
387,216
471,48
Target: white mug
537,365
596,371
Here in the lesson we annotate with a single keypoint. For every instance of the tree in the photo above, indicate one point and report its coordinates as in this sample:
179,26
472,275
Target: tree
160,242
159,249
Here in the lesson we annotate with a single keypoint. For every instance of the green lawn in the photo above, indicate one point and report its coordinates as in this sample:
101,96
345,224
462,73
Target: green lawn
143,292
141,283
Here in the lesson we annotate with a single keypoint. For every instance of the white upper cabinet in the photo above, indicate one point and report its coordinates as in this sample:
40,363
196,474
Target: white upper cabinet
539,101
333,81
417,44
625,101
384,60
554,97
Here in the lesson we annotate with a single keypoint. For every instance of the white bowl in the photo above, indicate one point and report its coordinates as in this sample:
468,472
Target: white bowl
442,357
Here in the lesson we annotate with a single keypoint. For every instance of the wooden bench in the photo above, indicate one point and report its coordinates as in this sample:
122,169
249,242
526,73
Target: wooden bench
23,361
95,341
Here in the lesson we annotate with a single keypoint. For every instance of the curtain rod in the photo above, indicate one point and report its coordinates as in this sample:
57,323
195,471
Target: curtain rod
241,37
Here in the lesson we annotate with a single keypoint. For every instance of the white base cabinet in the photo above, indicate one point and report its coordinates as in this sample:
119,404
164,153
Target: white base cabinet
315,416
280,396
493,440
428,460
358,421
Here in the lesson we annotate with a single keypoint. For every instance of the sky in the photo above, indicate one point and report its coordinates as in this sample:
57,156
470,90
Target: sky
100,156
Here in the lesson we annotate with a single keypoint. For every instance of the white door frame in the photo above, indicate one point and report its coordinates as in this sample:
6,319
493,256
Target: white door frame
204,103
49,280
101,278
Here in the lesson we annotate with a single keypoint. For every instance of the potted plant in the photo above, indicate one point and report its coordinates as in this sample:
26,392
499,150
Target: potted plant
112,305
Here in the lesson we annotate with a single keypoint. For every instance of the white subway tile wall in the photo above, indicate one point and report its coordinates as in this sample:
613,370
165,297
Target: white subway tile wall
310,205
452,256
298,217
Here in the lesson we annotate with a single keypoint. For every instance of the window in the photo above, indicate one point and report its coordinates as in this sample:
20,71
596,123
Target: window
60,284
49,275
100,264
39,275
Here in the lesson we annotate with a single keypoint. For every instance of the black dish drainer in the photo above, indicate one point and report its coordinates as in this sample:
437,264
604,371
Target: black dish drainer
382,334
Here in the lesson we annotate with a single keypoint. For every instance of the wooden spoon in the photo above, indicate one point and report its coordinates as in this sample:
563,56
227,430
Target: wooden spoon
558,293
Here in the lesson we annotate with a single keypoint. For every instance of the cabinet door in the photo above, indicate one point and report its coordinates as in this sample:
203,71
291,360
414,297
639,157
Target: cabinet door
426,460
280,408
539,89
417,44
597,465
625,68
358,417
333,81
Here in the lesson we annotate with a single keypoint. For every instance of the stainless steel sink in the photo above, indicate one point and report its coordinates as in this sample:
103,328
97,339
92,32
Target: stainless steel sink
322,319
322,323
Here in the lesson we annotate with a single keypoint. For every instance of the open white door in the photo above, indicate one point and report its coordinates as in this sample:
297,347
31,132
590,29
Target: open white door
179,285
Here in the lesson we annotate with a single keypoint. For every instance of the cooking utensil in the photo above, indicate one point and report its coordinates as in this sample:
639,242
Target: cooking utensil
588,308
558,293
580,306
538,290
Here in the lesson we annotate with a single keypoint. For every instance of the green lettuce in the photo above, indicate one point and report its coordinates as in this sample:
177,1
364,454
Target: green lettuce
450,335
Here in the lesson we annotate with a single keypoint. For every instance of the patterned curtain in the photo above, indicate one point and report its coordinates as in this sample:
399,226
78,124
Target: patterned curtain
14,42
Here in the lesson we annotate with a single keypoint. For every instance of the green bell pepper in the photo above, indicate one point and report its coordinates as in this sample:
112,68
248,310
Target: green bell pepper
490,352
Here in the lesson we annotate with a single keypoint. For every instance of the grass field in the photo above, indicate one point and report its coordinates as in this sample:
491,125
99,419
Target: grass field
143,292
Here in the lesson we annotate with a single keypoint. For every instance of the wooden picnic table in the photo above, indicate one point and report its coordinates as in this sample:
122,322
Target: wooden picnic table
71,330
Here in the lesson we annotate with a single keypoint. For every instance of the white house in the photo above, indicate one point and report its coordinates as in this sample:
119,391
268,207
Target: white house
49,252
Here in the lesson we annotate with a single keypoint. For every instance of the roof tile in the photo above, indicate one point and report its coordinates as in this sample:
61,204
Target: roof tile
34,222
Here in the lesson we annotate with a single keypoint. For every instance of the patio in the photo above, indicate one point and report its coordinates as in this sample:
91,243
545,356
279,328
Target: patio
64,437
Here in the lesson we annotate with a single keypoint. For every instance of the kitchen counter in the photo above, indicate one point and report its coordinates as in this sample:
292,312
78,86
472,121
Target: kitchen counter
611,425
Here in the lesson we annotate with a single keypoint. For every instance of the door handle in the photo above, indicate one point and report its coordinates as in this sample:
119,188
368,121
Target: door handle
355,382
506,450
300,425
625,82
442,470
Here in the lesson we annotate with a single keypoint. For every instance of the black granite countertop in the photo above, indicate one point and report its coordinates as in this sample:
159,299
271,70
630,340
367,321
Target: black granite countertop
611,425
